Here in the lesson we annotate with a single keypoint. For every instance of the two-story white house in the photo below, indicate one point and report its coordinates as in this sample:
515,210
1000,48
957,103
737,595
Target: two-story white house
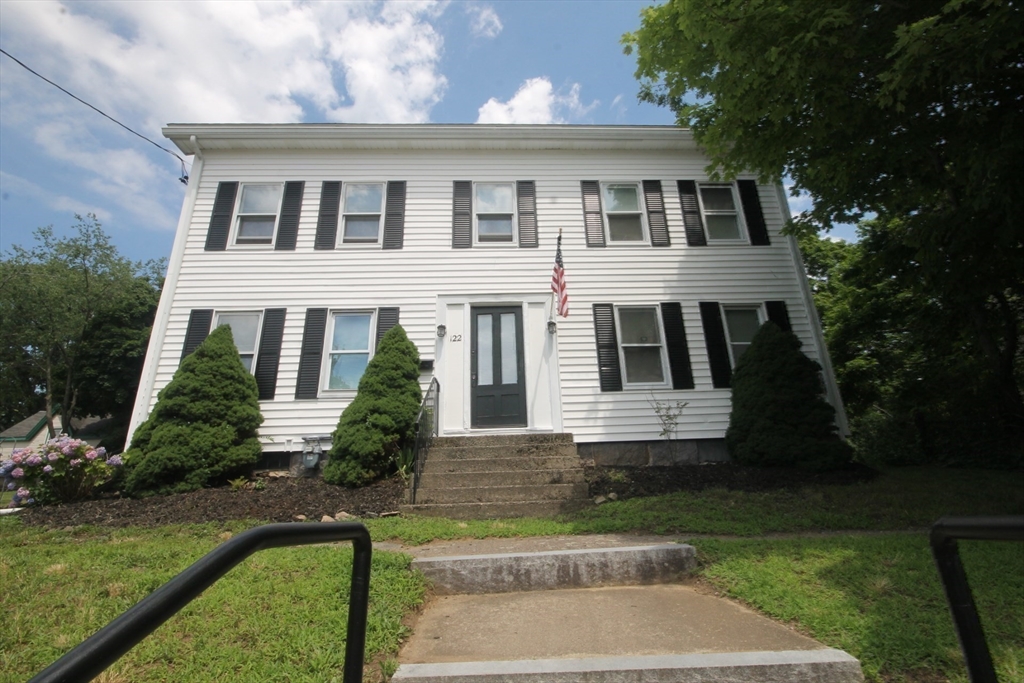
310,241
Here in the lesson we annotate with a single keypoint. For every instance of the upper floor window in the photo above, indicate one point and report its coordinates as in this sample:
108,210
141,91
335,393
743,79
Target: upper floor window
741,324
623,211
364,205
349,344
258,209
719,207
245,327
641,345
494,209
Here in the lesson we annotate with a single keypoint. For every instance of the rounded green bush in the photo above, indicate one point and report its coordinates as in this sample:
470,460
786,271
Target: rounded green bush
381,419
779,417
203,429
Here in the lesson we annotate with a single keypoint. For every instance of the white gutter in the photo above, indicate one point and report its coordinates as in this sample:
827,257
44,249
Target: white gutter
163,312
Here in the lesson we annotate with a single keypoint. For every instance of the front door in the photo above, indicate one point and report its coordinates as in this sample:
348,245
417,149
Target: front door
498,384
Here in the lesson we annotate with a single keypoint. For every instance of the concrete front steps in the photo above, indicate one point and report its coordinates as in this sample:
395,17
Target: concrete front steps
600,615
502,475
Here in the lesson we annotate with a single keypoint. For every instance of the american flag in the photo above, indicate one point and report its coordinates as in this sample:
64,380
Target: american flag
558,281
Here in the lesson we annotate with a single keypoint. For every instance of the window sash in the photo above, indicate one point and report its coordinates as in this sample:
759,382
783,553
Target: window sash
359,210
247,347
738,339
627,224
344,366
494,217
257,214
717,220
636,356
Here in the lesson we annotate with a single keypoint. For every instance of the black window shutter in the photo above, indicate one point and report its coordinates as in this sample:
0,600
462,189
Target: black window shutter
308,382
291,207
718,346
394,216
269,357
462,214
678,351
752,212
608,369
526,196
199,321
327,219
778,314
695,236
655,202
220,219
592,221
386,319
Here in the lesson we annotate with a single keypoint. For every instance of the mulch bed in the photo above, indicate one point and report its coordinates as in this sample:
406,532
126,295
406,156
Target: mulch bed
285,499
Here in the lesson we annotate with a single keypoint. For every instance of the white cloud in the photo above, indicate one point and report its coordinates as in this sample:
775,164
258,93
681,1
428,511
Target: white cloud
536,101
15,187
484,22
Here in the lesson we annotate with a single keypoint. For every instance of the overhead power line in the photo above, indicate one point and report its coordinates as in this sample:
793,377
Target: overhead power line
184,173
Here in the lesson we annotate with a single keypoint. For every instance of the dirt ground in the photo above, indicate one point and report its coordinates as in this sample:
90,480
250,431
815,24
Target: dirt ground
284,499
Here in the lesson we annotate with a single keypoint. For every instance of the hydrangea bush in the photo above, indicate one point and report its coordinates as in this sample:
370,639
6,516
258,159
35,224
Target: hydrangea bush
62,470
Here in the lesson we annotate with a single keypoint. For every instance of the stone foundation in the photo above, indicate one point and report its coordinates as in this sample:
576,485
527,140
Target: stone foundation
660,453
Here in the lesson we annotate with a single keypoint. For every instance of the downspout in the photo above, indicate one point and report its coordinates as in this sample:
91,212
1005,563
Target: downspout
144,397
831,387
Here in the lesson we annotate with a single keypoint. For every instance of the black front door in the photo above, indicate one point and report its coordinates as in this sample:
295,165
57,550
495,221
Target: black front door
498,381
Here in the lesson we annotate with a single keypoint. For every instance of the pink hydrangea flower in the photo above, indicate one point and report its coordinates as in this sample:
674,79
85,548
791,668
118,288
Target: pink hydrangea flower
53,457
48,469
75,463
17,473
34,460
23,492
16,456
91,455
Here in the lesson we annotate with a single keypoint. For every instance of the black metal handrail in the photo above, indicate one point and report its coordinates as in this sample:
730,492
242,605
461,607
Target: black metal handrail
944,536
426,430
107,645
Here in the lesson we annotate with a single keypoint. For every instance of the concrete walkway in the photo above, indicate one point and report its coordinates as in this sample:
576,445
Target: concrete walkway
675,631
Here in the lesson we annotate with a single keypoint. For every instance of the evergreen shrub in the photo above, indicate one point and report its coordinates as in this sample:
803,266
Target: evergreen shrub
381,420
202,430
779,417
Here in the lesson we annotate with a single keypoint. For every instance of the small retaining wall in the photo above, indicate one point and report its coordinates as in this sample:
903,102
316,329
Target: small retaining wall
661,453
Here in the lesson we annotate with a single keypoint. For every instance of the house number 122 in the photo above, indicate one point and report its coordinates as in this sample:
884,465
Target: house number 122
456,338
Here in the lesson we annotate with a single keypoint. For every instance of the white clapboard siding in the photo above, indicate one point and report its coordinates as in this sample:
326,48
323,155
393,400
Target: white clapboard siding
427,267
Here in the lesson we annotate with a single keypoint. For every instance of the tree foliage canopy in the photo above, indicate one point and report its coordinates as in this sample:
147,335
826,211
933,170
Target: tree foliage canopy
75,318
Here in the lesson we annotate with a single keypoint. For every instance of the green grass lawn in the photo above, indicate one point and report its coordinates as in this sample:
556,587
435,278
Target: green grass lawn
281,614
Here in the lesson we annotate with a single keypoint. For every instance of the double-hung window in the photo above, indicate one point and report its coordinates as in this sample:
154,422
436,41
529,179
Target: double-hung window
741,324
623,212
349,345
719,207
641,345
363,208
245,328
494,207
258,209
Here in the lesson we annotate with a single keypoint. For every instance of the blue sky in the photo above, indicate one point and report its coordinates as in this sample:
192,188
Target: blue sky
152,63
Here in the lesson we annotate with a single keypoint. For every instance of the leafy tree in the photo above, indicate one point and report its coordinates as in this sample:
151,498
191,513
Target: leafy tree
54,298
203,427
381,419
779,417
911,111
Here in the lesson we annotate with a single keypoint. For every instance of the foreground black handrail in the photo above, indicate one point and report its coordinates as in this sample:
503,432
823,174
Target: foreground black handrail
104,647
426,430
944,536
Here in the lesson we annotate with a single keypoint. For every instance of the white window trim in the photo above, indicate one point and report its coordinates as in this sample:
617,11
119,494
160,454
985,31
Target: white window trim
646,241
259,331
665,371
363,244
325,365
741,221
761,319
238,216
514,242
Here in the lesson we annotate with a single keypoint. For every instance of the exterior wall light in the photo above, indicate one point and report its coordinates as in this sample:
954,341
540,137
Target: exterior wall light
441,331
552,327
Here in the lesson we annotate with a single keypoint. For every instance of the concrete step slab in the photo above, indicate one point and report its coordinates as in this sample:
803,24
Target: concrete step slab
558,569
799,666
506,509
500,494
535,477
478,450
501,439
516,463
